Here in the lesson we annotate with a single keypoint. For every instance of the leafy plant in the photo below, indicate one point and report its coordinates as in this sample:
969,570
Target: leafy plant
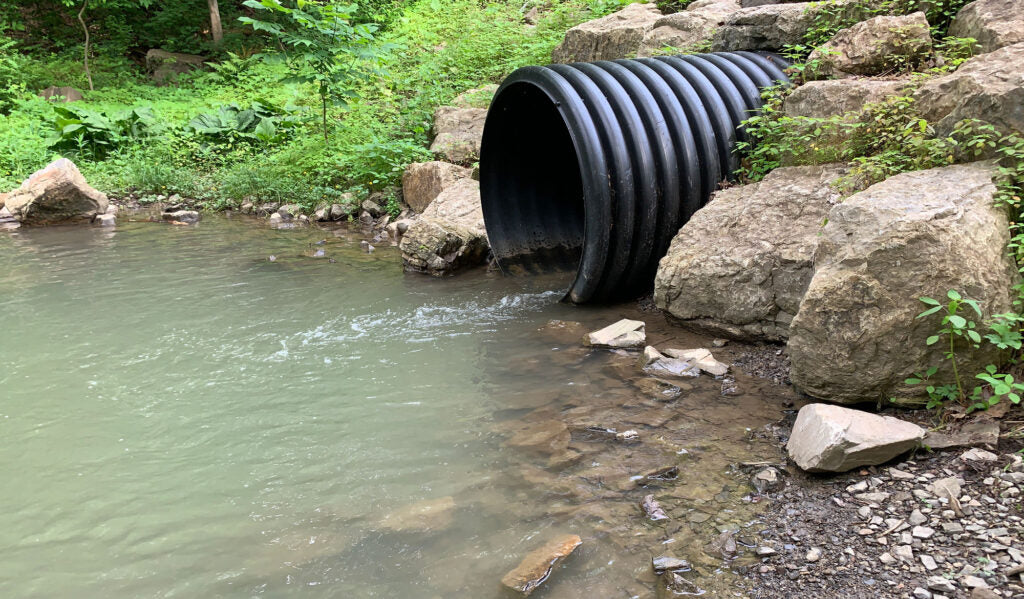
1002,385
229,70
260,122
954,327
327,49
938,395
378,164
96,133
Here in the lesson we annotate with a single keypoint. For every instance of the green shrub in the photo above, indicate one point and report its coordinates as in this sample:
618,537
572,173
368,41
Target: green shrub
12,81
261,122
95,134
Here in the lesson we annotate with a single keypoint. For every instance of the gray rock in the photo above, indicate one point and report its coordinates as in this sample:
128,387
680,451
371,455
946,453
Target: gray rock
833,97
424,181
687,28
741,264
61,94
920,593
105,220
457,133
617,35
652,508
940,584
767,480
182,216
654,362
875,46
622,334
772,26
813,555
449,235
57,193
994,23
478,97
373,208
855,338
165,66
989,87
922,532
829,438
701,358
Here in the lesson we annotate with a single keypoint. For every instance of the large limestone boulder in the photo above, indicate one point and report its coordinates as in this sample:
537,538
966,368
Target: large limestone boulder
424,181
55,194
989,87
449,234
458,133
687,28
833,439
833,97
875,46
772,26
617,35
766,27
994,23
855,338
740,266
165,66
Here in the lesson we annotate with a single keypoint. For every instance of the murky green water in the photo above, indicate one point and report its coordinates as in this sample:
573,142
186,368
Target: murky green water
180,417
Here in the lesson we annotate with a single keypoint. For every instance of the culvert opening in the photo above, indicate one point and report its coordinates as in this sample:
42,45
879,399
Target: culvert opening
590,169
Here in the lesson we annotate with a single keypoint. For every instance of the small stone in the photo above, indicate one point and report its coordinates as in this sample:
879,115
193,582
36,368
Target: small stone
864,512
929,562
667,563
916,518
922,532
628,436
857,487
719,342
940,584
887,559
978,455
813,555
901,475
975,582
904,552
767,480
765,551
652,508
920,593
872,497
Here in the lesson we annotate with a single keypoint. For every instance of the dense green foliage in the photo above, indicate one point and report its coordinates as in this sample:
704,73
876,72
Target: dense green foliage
250,127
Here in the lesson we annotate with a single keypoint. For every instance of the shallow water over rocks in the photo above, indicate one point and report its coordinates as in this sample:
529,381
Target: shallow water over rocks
182,416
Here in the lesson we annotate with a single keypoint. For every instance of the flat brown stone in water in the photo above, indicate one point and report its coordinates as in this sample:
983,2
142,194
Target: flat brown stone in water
537,566
547,438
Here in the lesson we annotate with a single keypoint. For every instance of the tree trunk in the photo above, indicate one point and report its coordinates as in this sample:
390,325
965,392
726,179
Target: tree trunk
81,12
215,27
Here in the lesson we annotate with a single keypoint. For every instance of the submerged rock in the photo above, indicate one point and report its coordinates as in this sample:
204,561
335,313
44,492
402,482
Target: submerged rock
547,437
539,564
829,438
423,516
617,35
652,509
855,338
875,46
57,193
768,480
622,334
667,563
105,220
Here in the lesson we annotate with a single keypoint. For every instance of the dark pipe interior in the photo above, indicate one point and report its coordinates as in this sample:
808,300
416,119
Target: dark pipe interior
535,173
591,168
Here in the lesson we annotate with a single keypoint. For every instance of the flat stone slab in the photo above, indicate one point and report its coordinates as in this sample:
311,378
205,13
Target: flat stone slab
623,334
538,565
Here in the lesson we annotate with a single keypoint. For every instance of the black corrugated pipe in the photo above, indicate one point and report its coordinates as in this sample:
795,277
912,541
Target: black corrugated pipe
594,167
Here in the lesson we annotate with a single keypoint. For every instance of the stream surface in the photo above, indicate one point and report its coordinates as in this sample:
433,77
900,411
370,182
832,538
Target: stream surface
181,417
